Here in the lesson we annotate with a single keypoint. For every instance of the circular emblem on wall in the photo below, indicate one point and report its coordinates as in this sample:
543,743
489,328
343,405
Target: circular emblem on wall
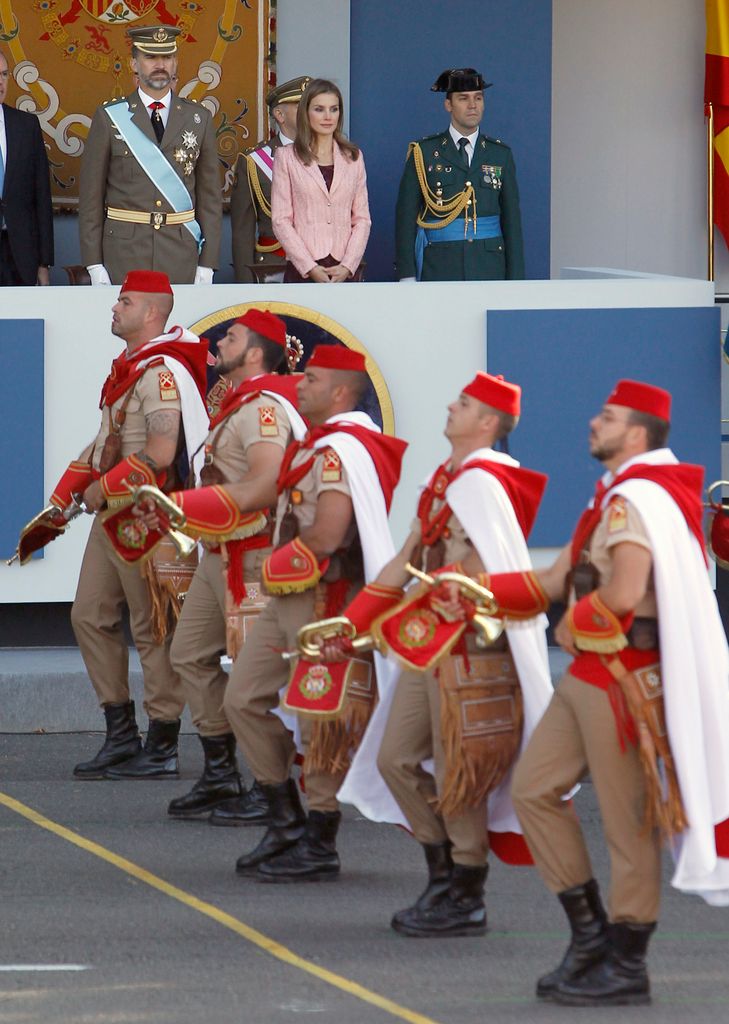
311,328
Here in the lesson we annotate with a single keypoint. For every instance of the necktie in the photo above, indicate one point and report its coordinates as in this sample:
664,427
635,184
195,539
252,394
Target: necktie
462,143
157,124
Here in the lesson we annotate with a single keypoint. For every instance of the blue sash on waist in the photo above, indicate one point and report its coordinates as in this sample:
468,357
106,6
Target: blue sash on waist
155,165
486,227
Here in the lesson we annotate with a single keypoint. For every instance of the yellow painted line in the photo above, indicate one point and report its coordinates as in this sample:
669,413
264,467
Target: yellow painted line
227,920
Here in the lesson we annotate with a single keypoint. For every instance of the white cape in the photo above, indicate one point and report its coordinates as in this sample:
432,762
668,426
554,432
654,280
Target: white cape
695,670
372,521
483,508
194,411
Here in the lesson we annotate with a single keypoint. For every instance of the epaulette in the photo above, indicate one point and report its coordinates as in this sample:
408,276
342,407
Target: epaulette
258,145
114,99
497,142
425,138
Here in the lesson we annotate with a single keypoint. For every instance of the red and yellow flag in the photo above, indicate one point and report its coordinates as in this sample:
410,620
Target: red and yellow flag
716,92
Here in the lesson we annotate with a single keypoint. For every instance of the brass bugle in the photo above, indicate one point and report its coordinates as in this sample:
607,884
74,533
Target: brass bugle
311,636
490,628
710,503
184,545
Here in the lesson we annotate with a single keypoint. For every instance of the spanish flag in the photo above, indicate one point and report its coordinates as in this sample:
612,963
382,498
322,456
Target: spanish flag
716,93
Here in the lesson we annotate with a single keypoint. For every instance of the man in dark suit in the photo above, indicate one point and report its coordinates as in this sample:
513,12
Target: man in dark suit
458,207
26,217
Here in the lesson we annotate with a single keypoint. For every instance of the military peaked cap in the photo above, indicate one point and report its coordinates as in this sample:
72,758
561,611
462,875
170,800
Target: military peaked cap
288,92
155,40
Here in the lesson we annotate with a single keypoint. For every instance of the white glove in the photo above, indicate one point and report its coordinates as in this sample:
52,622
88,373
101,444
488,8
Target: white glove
203,275
402,279
98,274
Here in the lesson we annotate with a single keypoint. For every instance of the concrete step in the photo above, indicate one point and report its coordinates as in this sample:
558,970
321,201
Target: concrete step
46,689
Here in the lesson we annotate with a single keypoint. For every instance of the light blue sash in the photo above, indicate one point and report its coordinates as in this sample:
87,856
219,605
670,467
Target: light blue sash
155,165
486,227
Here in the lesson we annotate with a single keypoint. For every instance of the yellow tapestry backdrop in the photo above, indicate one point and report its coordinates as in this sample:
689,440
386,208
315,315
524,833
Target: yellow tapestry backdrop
69,56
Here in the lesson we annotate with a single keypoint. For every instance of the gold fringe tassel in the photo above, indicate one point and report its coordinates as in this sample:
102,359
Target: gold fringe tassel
334,741
166,603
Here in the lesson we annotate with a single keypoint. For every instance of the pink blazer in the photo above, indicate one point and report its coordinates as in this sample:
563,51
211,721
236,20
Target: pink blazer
310,222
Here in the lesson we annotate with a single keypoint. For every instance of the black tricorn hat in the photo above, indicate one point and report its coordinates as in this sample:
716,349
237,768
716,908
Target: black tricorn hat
460,80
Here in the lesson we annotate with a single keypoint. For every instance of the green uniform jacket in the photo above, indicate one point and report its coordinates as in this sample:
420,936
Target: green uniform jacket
493,176
110,176
248,221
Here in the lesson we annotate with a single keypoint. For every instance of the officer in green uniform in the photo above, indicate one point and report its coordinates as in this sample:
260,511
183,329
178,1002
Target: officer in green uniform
458,207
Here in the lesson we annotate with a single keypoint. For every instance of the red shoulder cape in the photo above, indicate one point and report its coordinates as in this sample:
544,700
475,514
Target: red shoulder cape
126,371
283,385
524,487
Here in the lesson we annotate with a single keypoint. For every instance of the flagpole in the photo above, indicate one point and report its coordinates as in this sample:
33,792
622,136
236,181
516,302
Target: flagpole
710,190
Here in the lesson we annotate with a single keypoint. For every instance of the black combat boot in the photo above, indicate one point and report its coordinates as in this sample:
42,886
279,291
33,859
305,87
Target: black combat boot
589,942
219,781
249,808
620,979
286,827
460,911
313,858
122,742
440,868
157,758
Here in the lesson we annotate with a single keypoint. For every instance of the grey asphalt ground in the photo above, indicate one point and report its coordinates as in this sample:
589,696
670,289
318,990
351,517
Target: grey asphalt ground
153,959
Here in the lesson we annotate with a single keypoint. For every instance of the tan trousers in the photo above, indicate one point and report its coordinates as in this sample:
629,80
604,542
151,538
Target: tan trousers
257,676
577,735
199,641
412,734
105,585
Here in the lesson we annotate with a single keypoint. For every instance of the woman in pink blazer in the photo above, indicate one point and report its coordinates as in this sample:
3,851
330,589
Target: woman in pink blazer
320,212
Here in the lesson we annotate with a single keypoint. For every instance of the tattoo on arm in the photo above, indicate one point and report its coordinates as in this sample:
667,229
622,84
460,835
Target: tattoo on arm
164,423
148,461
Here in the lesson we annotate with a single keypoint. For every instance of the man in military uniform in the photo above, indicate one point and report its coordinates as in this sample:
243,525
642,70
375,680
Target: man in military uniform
250,201
475,512
150,192
649,652
153,394
333,493
458,213
247,437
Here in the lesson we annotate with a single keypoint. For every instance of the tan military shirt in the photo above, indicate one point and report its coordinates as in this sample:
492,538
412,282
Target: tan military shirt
621,523
326,474
456,540
155,391
262,419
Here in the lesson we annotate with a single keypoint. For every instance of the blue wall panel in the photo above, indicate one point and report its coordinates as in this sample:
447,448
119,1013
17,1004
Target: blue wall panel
21,427
397,51
568,360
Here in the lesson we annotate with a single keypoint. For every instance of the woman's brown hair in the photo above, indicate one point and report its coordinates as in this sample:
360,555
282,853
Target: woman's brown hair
304,134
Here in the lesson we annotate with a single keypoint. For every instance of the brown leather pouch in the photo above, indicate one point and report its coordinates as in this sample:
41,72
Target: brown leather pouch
482,718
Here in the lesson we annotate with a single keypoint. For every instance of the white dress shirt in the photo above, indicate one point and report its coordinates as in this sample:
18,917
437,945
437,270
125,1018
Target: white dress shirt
471,147
164,112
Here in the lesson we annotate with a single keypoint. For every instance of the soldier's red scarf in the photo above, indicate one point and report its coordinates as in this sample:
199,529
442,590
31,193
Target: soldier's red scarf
285,386
386,452
682,481
126,370
524,488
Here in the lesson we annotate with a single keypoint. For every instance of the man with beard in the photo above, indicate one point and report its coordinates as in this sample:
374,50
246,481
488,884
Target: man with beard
151,405
150,182
247,438
332,497
648,682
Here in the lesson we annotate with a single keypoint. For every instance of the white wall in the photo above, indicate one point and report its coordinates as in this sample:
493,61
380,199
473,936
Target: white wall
628,137
313,39
404,338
